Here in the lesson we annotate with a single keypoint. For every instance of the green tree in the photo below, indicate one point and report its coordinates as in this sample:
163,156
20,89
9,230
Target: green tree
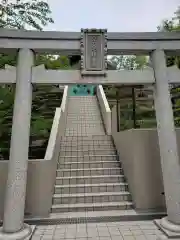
53,62
25,14
124,62
172,25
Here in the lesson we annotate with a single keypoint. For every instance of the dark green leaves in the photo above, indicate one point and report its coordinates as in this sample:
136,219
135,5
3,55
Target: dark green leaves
25,14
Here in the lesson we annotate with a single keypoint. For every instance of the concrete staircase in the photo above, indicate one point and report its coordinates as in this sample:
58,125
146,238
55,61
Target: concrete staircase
84,118
89,173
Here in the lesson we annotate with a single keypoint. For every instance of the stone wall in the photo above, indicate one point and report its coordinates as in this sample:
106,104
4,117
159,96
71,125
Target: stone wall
140,156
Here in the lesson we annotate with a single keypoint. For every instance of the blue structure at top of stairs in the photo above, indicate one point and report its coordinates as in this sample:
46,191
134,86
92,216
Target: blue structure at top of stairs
82,90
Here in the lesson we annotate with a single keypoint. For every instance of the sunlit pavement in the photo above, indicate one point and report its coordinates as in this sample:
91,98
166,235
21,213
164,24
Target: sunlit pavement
130,230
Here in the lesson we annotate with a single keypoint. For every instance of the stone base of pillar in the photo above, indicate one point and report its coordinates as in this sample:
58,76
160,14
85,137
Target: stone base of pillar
25,234
172,231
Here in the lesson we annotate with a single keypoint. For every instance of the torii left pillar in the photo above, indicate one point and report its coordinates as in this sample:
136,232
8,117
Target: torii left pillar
13,222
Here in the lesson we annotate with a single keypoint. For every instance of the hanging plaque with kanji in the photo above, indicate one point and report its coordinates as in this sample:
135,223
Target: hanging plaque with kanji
93,52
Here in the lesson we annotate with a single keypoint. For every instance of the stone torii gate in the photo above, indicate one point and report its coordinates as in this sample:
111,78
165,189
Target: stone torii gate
93,46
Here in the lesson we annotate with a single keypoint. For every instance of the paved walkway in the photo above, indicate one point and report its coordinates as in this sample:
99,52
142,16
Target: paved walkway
141,230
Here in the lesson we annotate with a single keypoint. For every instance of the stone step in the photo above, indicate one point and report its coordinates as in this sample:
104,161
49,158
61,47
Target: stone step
87,108
83,138
80,207
80,116
88,158
84,124
84,111
91,197
88,188
90,113
86,118
90,179
91,146
90,128
88,152
90,98
86,164
94,113
84,121
87,143
95,217
85,127
90,110
85,133
83,101
88,171
80,106
83,107
87,148
85,104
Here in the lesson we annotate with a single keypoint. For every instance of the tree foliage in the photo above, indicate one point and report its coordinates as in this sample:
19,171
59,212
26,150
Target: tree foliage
28,14
128,62
24,14
125,62
53,62
171,25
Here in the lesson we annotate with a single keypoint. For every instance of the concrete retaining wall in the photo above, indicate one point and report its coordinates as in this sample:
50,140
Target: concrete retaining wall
39,187
41,172
139,153
105,109
140,156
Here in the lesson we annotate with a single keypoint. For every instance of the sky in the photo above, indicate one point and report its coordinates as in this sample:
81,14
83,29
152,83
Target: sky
115,15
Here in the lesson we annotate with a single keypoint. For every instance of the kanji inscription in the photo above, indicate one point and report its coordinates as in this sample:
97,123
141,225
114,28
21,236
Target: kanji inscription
93,52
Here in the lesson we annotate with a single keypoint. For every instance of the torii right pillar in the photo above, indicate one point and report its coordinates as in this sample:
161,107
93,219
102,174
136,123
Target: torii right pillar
170,164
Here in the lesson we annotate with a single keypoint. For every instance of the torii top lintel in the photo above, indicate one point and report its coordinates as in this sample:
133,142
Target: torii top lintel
68,43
